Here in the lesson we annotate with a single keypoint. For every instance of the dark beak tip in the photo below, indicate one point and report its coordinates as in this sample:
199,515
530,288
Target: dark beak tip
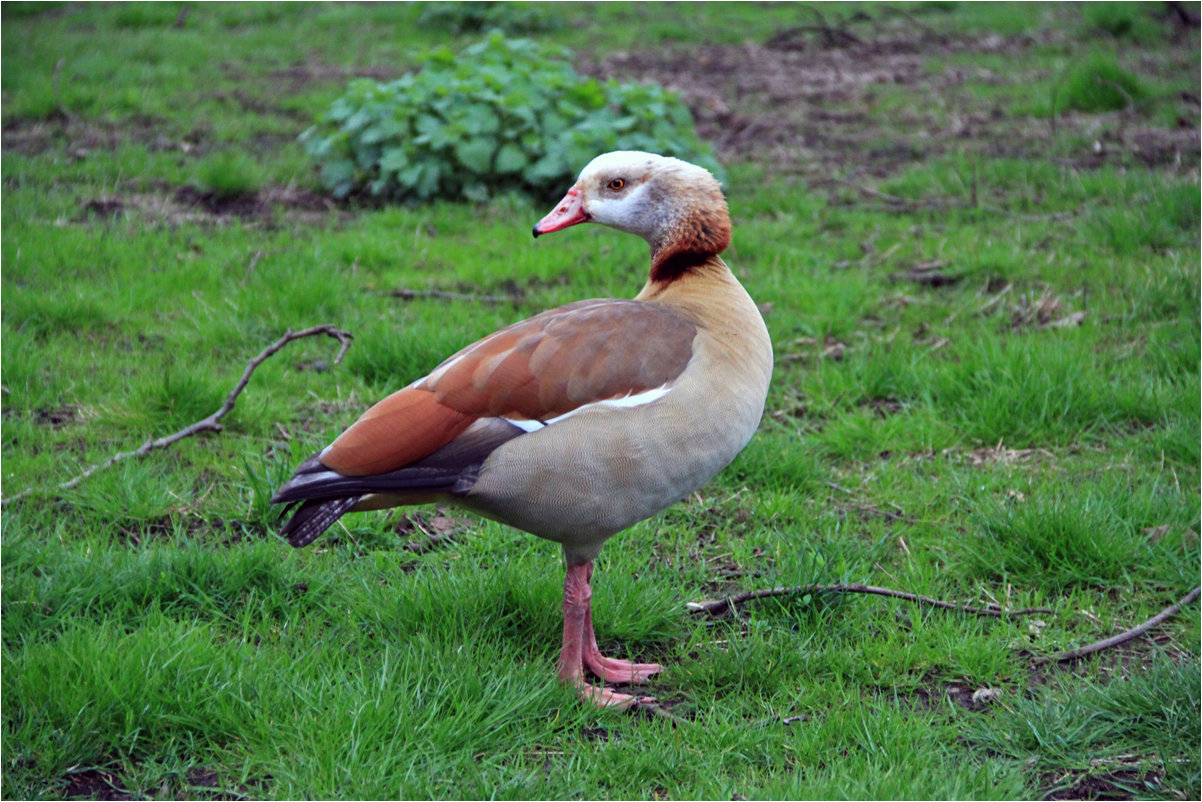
536,230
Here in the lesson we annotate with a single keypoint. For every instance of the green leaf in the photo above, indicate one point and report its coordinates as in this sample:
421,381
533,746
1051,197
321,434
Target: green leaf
394,160
409,176
427,184
511,159
479,119
476,154
337,172
546,170
501,107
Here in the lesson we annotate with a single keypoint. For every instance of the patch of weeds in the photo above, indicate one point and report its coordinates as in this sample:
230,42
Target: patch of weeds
134,16
230,174
48,313
1165,217
383,360
745,663
1146,723
181,396
1100,84
127,588
476,17
1035,392
29,383
774,459
24,9
1179,442
1059,536
1120,20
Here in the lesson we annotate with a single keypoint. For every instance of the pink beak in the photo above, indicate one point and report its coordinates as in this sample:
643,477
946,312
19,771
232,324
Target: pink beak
568,212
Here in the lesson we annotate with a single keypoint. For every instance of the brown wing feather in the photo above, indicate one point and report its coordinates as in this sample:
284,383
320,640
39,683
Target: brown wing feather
537,369
405,427
563,359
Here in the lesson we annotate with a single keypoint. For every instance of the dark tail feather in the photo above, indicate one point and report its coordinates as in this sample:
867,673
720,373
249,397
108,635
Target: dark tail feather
313,517
324,495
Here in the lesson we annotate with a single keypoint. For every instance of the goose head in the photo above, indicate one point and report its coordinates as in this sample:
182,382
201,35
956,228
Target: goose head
677,207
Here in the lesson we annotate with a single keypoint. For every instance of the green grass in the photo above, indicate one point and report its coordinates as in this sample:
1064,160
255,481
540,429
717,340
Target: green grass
951,441
1100,84
229,174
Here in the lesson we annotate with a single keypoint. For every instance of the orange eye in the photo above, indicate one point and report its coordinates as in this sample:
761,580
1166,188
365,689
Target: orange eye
617,184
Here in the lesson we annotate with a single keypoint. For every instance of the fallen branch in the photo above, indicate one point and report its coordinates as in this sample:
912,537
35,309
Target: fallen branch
209,424
1123,637
719,607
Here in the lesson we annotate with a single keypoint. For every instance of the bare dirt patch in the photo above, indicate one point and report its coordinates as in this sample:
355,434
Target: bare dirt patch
1123,784
936,694
818,104
94,784
174,206
58,417
78,136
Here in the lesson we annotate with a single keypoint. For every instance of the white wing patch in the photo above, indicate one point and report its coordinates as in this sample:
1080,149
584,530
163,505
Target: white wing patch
626,401
526,425
632,400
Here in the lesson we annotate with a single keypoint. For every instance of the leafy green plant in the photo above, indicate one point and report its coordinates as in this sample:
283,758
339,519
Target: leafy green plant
502,115
475,17
1100,84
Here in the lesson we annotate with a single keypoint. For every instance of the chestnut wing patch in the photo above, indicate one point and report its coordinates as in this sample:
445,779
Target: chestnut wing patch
535,370
558,361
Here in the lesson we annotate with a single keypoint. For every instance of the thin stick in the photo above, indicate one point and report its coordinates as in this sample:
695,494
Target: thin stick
1123,637
210,423
718,607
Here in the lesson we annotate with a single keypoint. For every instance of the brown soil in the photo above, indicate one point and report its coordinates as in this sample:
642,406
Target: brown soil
816,104
188,204
94,784
1115,785
104,785
812,101
80,136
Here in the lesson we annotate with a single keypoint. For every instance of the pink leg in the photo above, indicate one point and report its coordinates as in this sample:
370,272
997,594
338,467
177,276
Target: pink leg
607,668
577,599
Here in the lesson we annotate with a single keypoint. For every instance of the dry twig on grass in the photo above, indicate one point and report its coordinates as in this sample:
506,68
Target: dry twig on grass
718,607
209,424
1123,637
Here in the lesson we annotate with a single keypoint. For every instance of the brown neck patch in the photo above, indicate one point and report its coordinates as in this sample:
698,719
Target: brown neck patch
703,232
675,265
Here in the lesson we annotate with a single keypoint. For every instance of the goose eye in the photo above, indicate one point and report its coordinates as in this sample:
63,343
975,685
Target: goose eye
617,184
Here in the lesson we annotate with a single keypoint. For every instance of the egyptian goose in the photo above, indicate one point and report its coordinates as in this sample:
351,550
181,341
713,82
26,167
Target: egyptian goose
581,421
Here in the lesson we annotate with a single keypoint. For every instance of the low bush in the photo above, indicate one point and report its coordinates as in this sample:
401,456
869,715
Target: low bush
503,115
